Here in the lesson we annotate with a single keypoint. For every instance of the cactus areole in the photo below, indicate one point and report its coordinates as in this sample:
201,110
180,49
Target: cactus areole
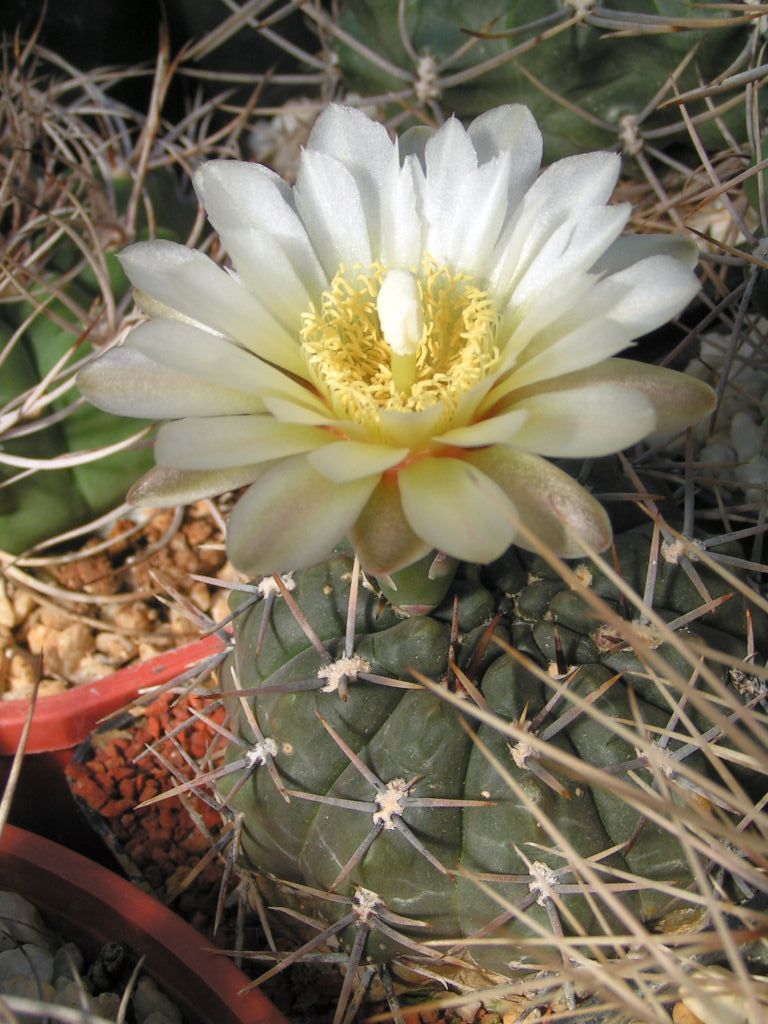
436,794
402,341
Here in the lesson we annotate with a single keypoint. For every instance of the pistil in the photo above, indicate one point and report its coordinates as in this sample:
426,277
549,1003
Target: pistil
402,325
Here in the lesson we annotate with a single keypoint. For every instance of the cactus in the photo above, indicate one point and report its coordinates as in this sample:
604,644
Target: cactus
591,74
552,776
527,774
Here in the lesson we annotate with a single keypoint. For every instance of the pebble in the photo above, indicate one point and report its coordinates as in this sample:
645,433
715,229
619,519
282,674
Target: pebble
20,922
148,1001
67,960
712,997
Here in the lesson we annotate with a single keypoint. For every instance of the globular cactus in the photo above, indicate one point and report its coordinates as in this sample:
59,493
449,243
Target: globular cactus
524,762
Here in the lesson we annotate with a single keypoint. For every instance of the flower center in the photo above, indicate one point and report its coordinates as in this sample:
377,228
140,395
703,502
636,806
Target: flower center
392,340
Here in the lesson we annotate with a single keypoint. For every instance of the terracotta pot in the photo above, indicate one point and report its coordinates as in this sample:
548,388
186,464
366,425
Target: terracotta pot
94,906
42,801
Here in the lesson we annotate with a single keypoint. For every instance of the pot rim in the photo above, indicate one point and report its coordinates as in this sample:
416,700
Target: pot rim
101,905
63,720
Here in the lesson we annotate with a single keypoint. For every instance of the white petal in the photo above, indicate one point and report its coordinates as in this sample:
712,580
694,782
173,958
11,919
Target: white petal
350,460
238,195
481,209
582,419
214,359
292,518
450,157
571,248
510,129
224,441
548,501
268,274
190,282
163,487
553,354
401,227
564,188
495,429
329,202
413,142
457,509
645,295
127,382
632,248
364,147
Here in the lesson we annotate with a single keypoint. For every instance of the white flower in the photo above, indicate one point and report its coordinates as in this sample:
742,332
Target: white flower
405,334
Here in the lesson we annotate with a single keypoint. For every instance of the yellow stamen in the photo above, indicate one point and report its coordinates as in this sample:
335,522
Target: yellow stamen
432,349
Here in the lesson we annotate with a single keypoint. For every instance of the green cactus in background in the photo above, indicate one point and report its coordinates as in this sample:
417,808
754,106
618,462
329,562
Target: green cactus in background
517,765
70,192
590,73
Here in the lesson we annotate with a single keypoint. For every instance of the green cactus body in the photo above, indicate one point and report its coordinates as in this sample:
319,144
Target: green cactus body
607,76
40,505
500,811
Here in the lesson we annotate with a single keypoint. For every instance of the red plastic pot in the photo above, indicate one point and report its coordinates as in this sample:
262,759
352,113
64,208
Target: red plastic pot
42,801
94,906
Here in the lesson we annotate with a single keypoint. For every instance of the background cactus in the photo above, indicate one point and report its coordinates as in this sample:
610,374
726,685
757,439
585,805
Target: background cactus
70,200
592,74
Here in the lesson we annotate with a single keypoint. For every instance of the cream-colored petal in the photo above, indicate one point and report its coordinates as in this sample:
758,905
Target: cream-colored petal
330,206
364,147
382,537
292,518
341,461
495,429
410,429
679,400
213,358
265,269
239,195
457,509
163,487
127,382
401,227
582,418
312,414
549,502
223,441
569,185
187,280
630,249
